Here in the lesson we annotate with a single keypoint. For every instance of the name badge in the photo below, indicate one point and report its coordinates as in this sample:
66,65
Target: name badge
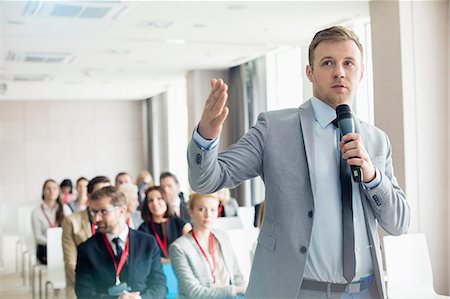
118,289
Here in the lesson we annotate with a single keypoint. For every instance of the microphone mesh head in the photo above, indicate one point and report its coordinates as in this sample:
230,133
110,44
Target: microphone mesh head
343,111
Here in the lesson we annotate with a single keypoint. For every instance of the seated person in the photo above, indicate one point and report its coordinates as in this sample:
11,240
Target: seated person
77,228
203,260
117,262
134,219
160,220
49,213
228,206
80,203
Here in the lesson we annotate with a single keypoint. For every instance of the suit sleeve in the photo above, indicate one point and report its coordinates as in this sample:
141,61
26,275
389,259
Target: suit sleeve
156,280
85,284
188,284
69,251
387,200
210,171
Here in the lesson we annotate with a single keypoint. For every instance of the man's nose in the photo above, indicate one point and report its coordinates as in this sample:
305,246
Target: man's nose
339,72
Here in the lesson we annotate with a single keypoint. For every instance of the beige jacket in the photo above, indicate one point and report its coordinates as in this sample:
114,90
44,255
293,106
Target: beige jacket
76,230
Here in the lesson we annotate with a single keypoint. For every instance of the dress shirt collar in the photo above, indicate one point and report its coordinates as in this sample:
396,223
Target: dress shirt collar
323,113
122,236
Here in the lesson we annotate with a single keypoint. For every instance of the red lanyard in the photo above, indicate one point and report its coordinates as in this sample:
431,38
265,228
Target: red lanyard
220,210
211,246
50,224
123,258
162,244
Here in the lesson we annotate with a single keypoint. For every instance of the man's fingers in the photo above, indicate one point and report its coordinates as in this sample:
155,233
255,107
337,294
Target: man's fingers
222,116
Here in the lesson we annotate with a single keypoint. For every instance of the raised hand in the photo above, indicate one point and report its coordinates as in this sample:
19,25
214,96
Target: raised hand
215,111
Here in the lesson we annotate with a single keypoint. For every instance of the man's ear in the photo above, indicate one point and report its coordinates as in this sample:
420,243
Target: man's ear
309,72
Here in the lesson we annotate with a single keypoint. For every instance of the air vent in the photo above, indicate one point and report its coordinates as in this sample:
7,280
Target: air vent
157,24
79,9
39,57
31,77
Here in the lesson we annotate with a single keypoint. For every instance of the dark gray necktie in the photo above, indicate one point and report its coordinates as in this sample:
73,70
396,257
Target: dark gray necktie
349,261
116,242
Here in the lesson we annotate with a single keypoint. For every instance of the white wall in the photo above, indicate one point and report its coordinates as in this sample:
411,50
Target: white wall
42,139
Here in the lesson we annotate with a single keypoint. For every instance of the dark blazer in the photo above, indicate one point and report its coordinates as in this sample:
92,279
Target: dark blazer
95,271
184,209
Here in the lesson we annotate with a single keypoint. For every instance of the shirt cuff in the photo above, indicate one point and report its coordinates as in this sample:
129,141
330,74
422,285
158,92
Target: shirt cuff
373,183
203,143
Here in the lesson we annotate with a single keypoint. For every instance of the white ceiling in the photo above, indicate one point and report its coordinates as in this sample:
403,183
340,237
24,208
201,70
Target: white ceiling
114,50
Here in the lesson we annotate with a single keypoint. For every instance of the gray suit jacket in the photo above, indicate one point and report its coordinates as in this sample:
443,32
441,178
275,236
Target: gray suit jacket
194,276
279,149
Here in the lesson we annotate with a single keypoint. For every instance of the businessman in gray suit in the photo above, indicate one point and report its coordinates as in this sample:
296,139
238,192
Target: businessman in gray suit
297,153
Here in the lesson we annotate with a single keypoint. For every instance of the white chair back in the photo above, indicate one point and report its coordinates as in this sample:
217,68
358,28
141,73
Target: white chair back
243,241
24,227
408,267
228,223
247,216
55,261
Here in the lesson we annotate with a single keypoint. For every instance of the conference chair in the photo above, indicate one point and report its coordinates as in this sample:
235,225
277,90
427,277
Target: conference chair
242,241
228,223
408,267
56,276
171,281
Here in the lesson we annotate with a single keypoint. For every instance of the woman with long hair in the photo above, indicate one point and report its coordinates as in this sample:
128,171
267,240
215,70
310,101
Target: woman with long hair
48,214
160,220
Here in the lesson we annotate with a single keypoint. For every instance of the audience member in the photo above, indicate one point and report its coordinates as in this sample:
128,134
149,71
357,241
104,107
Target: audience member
160,221
123,178
66,194
48,214
144,180
169,182
228,206
134,218
77,228
117,262
80,203
203,260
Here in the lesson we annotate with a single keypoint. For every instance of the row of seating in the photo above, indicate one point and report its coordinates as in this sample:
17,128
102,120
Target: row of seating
408,266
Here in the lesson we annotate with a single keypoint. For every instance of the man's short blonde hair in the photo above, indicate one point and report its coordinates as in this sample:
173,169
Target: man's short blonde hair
332,34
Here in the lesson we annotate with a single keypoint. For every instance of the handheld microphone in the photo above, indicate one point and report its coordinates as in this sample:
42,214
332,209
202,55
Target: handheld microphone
346,124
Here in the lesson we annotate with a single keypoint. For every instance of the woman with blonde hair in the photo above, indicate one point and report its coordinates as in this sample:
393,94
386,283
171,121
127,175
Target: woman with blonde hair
203,260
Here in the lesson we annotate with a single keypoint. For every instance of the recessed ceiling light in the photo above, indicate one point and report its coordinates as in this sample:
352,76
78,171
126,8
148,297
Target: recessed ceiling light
198,25
236,7
177,41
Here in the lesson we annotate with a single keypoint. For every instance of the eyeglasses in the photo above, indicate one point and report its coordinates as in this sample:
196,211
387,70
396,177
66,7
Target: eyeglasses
102,212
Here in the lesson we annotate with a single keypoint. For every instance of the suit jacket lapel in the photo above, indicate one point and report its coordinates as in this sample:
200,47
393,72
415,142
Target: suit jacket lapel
132,252
307,119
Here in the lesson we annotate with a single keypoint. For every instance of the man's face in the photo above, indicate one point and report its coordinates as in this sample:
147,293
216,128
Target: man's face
106,216
171,188
82,187
123,179
336,72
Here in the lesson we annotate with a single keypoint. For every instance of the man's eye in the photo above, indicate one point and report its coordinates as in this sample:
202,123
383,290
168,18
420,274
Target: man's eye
349,63
327,63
